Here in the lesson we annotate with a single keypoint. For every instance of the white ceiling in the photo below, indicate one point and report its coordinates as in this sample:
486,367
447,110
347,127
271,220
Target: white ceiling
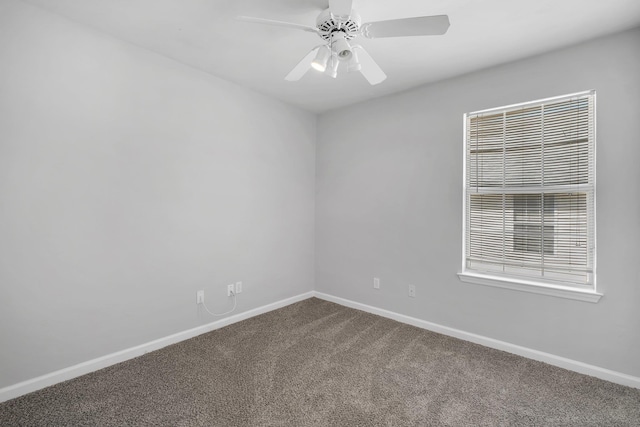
205,35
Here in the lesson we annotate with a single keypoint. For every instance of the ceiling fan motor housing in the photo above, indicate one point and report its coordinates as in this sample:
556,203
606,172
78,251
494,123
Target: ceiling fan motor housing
328,24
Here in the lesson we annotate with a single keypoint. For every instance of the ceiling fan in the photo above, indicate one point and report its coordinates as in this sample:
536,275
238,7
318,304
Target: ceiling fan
338,25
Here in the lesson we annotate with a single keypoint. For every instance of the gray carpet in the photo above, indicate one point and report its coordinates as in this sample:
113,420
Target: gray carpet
315,363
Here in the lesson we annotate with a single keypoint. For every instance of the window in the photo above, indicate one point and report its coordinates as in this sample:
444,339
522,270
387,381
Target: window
529,197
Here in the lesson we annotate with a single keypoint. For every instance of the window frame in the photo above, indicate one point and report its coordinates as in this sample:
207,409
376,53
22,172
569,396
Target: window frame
578,292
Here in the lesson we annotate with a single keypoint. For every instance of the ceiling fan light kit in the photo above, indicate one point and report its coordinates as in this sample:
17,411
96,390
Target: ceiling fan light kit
321,59
332,70
340,47
354,63
339,24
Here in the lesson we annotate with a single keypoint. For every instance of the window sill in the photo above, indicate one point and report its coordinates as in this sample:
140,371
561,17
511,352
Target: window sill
532,287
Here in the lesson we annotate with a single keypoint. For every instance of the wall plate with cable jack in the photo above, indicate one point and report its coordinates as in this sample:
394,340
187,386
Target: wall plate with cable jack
200,297
231,289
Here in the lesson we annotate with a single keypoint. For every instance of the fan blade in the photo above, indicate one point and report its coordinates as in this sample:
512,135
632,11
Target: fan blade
419,26
277,23
370,70
341,7
302,67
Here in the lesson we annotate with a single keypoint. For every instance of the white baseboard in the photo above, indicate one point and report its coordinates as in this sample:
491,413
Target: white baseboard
83,368
562,362
65,374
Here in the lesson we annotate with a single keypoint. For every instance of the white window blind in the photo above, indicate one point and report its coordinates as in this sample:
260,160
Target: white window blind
530,191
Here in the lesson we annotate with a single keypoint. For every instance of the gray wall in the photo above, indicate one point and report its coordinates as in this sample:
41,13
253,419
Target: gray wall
128,182
389,204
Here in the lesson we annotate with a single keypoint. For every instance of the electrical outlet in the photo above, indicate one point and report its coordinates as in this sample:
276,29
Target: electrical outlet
230,290
376,283
200,297
412,291
238,288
